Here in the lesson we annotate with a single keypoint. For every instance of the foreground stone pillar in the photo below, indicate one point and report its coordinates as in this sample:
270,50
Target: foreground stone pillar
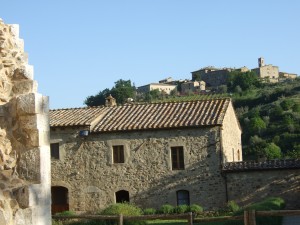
25,186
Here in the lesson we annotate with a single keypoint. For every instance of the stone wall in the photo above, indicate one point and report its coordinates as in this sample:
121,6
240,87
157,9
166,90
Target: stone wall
269,72
92,178
212,78
231,137
252,186
24,137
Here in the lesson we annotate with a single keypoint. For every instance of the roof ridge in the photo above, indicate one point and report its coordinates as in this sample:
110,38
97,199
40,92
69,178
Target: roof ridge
146,103
85,107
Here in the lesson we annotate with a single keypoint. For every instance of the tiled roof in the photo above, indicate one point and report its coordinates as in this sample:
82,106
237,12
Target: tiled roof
75,116
144,116
266,165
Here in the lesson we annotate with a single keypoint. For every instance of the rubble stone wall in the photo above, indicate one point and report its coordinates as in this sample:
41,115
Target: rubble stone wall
88,171
25,196
252,186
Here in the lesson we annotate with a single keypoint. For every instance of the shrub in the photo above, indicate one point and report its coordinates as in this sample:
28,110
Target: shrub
272,151
181,209
167,209
232,206
66,213
125,209
194,208
122,208
272,203
287,104
149,211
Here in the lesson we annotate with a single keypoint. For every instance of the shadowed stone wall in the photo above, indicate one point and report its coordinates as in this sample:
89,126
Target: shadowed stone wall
251,186
86,167
24,137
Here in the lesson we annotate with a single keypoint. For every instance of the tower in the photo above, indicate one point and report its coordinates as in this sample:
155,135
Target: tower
261,62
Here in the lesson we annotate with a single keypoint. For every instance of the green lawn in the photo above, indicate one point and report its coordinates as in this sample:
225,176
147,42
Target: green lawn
180,222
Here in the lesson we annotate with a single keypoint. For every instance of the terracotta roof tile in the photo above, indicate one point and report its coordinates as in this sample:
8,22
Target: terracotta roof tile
144,116
75,116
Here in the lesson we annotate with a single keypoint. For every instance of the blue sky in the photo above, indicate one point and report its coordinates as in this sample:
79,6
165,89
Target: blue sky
80,47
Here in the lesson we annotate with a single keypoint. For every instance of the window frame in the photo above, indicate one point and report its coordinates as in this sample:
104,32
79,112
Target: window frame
186,200
177,158
118,154
53,148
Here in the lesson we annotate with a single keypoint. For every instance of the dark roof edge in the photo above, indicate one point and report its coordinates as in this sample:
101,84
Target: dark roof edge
259,166
156,129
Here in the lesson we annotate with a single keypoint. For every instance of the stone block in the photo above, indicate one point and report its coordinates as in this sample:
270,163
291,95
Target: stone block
33,103
24,87
38,138
24,217
29,165
15,29
38,122
22,196
45,170
23,73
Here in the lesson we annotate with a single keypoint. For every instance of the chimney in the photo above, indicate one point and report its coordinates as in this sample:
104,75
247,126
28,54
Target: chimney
110,101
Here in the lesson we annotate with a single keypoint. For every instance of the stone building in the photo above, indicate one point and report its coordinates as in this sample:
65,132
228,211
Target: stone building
166,88
192,86
148,154
287,76
24,137
269,73
214,77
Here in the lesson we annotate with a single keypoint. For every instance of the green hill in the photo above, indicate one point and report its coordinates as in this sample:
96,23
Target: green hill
269,115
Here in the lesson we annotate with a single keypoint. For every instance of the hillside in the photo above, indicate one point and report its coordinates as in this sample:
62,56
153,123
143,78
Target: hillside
269,115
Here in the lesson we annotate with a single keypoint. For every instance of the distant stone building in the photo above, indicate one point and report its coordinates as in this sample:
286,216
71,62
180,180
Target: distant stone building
166,81
214,77
147,154
287,76
192,86
269,73
166,88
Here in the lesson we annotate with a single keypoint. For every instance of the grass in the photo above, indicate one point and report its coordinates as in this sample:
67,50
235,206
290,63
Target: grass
181,222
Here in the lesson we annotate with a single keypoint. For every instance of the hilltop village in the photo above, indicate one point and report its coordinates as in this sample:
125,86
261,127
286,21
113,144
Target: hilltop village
211,78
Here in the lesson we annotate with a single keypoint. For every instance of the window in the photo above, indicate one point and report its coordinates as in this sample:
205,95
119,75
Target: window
122,196
177,158
183,197
118,153
54,148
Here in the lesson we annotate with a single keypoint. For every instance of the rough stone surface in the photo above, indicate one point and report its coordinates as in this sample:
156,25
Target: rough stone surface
92,179
252,186
24,131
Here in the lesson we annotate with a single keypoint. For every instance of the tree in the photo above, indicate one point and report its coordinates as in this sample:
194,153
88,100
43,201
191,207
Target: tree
245,80
272,151
121,92
98,99
257,125
287,104
153,95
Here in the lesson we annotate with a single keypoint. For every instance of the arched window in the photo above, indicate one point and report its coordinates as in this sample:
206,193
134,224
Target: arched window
122,196
183,197
60,199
